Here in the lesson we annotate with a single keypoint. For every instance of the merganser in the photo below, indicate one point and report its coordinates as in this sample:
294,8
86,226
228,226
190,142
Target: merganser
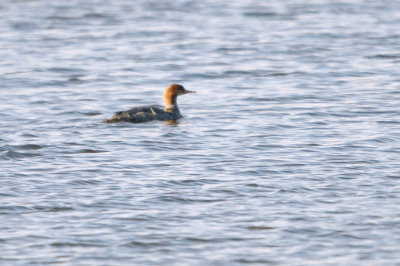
154,112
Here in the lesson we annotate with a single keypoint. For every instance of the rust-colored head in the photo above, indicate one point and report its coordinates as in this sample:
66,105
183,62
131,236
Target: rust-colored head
173,91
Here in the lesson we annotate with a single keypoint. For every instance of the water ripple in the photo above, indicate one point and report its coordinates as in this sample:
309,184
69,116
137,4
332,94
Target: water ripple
287,154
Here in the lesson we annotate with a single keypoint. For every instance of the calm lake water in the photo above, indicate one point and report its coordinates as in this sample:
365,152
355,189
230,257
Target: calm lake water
289,153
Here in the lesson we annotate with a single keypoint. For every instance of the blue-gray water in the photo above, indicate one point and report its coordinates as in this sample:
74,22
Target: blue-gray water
288,154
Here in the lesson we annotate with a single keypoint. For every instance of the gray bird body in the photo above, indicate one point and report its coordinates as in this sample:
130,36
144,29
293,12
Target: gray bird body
146,114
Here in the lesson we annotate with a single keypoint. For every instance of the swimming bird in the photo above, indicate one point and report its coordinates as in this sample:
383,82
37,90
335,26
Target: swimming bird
154,112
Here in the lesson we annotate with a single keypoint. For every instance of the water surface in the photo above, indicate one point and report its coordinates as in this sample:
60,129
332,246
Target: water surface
288,154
